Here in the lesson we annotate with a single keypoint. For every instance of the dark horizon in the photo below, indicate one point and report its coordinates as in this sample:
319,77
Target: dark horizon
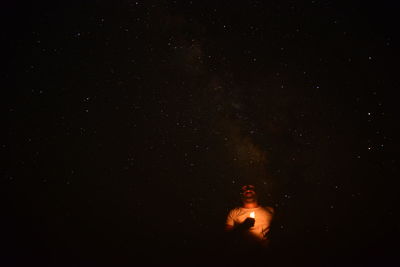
132,125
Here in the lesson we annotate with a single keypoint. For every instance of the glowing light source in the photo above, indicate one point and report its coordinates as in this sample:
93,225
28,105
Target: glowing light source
252,215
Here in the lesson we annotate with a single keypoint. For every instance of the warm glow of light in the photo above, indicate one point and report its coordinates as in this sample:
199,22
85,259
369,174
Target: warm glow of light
252,214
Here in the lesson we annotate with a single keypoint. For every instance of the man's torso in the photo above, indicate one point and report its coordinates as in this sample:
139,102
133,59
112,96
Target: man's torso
262,216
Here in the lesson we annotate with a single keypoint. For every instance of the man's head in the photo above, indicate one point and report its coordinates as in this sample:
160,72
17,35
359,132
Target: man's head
248,193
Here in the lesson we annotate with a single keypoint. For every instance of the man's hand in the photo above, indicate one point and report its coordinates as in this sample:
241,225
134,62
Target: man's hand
243,227
248,223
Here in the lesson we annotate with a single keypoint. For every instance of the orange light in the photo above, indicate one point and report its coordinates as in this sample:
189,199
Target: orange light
252,215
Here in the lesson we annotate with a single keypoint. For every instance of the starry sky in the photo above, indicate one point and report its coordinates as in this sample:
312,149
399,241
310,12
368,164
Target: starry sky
131,126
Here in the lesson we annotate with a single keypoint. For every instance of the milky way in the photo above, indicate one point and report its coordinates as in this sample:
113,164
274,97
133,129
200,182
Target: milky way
132,125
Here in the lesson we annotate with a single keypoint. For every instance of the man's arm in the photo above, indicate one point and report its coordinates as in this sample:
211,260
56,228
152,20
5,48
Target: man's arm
229,223
228,227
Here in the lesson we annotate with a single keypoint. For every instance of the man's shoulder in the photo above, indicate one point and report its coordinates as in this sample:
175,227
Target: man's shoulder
235,210
269,209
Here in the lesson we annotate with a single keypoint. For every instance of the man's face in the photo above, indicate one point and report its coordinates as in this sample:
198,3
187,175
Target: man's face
248,193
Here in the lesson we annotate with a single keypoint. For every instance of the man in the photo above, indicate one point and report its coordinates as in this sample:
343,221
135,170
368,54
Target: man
251,220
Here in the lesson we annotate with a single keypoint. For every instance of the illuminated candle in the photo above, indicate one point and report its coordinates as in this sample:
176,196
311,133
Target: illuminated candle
252,215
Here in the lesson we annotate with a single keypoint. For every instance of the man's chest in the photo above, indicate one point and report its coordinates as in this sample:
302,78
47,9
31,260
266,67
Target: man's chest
260,217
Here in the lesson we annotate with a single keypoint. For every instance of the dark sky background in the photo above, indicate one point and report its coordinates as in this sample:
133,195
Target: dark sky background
131,126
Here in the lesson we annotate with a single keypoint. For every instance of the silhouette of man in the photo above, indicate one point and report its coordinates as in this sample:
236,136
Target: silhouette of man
250,221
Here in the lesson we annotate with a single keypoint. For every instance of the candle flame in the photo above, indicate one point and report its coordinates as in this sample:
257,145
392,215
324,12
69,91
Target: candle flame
252,214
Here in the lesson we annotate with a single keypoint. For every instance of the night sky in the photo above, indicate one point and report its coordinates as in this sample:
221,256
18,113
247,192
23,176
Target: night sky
131,126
